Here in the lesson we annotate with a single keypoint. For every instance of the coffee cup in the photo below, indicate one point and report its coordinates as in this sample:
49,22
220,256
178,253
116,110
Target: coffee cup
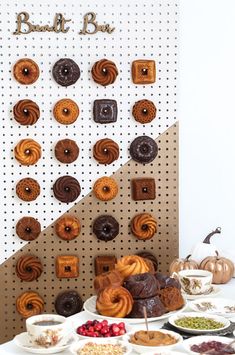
48,330
195,282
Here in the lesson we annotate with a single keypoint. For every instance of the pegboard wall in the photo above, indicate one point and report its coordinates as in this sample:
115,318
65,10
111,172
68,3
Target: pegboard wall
145,29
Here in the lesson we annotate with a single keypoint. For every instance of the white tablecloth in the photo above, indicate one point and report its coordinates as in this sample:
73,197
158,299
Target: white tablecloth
10,348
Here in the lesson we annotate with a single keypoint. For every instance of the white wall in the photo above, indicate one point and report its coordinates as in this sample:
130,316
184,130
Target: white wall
207,121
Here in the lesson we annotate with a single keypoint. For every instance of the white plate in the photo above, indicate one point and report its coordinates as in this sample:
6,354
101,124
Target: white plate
142,349
203,338
215,290
223,320
22,341
80,344
220,306
90,307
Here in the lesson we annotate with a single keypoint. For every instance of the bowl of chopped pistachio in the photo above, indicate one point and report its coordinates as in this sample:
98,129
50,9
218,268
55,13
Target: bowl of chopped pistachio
199,323
101,346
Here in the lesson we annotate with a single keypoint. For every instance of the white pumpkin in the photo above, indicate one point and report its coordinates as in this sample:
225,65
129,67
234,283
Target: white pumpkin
204,249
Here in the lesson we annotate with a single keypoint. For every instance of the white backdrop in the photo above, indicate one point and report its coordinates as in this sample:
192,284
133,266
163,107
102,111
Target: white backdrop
144,29
207,121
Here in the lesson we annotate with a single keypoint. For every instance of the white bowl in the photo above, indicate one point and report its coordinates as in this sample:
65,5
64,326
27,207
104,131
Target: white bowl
220,319
80,344
119,337
142,349
203,338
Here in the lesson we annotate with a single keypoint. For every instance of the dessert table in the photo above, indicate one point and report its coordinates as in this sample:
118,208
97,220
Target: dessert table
9,348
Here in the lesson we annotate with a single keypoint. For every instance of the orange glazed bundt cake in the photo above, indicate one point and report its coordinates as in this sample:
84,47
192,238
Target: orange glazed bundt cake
114,302
131,265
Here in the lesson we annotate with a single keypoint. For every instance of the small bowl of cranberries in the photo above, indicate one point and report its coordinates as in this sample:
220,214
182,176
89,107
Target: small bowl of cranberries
102,329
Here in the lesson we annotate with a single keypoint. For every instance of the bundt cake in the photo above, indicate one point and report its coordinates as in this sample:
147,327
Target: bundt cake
166,281
154,308
171,298
149,256
114,302
111,278
142,285
131,265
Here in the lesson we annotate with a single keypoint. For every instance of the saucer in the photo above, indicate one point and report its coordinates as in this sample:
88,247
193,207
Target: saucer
220,306
22,341
214,291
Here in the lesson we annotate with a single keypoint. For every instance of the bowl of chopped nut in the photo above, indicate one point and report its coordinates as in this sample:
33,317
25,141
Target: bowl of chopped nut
101,346
199,323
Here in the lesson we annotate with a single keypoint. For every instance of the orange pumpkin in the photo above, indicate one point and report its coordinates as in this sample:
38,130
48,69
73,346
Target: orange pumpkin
183,264
221,268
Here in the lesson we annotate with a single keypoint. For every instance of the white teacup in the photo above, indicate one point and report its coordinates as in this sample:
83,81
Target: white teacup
48,330
195,282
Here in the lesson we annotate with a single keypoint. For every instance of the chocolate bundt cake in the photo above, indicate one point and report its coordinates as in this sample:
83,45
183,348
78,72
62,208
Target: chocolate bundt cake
166,281
154,308
142,285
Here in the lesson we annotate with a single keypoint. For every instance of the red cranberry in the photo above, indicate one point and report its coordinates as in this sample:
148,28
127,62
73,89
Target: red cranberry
104,330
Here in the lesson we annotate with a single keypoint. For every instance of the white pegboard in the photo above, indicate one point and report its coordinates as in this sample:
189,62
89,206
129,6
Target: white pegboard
144,29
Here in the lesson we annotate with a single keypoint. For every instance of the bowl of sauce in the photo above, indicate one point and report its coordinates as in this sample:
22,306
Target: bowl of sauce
153,340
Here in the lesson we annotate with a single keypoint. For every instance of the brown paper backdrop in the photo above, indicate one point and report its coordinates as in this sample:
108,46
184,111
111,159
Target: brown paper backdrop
164,244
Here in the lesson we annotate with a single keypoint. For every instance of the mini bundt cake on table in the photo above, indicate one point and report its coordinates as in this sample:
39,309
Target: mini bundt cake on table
166,281
111,278
149,256
131,265
144,289
150,266
114,302
153,305
142,285
171,298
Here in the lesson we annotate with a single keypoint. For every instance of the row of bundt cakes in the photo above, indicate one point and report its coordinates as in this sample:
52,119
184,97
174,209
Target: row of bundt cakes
133,285
66,111
105,227
143,149
66,303
66,71
67,189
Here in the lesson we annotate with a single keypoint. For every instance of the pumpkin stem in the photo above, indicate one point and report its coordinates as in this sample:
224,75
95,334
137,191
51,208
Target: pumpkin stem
187,257
208,237
217,254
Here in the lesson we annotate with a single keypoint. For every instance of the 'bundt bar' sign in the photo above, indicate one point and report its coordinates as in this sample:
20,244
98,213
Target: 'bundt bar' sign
90,25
